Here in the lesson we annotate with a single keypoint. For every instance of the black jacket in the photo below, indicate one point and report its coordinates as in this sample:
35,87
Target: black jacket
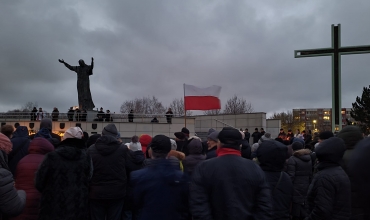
211,153
109,179
256,136
329,195
246,150
62,179
299,169
229,187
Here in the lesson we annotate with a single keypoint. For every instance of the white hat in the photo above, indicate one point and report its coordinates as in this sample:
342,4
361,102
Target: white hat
73,132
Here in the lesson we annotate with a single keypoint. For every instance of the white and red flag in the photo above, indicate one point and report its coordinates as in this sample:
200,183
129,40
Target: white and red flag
202,98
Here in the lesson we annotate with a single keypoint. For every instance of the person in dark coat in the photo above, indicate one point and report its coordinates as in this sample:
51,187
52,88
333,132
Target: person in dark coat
55,114
271,155
169,115
33,114
256,135
299,168
20,141
351,135
245,147
160,190
70,114
329,194
181,142
46,126
247,135
195,156
25,178
212,140
12,201
63,179
109,180
360,177
229,186
131,116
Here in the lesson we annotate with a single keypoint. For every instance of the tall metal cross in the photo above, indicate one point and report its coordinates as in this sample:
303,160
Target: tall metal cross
335,51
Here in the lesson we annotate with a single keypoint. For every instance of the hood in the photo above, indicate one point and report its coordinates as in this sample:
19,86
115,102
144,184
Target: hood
303,154
21,131
195,146
331,150
350,135
43,132
179,155
107,145
136,157
272,155
46,123
145,140
71,149
40,146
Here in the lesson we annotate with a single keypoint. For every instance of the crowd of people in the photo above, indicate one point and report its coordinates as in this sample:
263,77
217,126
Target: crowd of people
44,176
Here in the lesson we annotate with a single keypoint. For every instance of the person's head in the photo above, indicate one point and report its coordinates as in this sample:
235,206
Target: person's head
281,130
73,132
229,138
81,62
256,130
55,108
71,108
34,108
195,146
289,131
185,131
325,135
351,135
180,136
173,144
298,131
272,155
246,130
297,146
108,111
160,146
5,143
212,139
110,130
331,150
169,109
40,109
262,129
46,123
101,108
7,130
92,139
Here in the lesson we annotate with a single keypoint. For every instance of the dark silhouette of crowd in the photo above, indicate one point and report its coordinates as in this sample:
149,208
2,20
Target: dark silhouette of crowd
44,176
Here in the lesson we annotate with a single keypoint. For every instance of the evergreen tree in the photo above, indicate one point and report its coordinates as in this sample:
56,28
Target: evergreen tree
361,110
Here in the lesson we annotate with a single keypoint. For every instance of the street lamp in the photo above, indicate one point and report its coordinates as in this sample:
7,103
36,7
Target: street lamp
314,124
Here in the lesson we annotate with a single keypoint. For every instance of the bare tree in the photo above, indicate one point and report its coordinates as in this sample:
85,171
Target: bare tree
212,112
143,105
29,106
287,120
237,105
177,106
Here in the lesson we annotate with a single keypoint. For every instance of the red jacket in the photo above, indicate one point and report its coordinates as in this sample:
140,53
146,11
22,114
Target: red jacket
25,176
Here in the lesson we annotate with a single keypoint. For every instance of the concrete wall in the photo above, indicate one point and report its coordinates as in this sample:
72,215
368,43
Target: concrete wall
273,127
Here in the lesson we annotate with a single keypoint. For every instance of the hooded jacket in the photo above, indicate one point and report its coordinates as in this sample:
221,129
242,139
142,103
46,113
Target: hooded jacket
63,179
109,159
20,141
299,168
195,156
25,177
329,194
271,155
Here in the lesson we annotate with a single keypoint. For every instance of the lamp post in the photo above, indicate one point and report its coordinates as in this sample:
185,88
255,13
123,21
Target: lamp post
314,124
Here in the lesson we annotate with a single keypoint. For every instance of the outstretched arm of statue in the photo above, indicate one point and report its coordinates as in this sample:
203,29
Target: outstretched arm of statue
72,68
92,62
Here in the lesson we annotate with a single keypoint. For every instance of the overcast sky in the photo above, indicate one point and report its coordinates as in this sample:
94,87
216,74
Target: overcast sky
151,48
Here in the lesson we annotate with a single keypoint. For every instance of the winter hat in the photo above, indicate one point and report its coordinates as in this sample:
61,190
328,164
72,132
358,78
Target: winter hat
161,144
145,140
185,131
180,135
5,143
350,135
135,146
195,146
73,132
213,136
46,123
173,144
92,139
297,146
255,147
298,140
111,130
210,131
230,138
331,150
272,155
326,135
135,139
265,137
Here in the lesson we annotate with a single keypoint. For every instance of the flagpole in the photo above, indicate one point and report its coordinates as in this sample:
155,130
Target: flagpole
184,106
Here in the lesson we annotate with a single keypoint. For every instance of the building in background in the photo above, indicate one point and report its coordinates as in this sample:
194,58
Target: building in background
319,119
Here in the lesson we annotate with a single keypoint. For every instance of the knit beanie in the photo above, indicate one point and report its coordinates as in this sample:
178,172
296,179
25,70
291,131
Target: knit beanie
195,146
73,132
145,140
161,144
350,135
185,131
298,140
326,135
210,131
135,146
5,143
297,146
46,123
110,130
213,136
331,150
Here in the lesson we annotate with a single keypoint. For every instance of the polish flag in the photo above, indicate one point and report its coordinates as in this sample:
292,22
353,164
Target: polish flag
202,98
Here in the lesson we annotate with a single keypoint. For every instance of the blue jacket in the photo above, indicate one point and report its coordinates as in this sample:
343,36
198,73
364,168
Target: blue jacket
160,191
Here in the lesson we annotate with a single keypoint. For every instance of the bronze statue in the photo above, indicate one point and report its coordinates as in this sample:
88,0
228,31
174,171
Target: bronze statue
83,83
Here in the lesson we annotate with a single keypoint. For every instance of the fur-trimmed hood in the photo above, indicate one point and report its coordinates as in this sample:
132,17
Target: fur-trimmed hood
303,154
179,155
